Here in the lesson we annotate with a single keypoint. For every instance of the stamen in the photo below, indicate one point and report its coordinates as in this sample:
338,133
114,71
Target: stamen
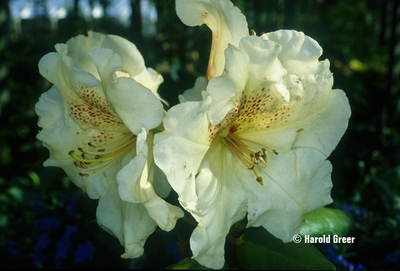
249,161
111,148
109,154
237,148
234,154
244,139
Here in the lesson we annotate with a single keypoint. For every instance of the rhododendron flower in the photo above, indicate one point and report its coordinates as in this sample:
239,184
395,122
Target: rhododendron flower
97,122
257,142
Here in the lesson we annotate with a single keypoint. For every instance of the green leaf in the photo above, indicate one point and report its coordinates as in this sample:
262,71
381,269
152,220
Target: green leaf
187,264
259,249
327,221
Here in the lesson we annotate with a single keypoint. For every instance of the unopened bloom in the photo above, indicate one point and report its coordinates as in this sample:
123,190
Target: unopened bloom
97,122
257,143
227,23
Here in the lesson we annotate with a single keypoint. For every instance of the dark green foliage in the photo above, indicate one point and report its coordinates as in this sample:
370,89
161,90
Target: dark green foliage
260,250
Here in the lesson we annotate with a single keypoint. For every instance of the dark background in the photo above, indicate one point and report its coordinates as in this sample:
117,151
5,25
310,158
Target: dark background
45,221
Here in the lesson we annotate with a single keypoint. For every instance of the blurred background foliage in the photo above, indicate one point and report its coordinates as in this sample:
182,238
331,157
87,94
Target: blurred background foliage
45,221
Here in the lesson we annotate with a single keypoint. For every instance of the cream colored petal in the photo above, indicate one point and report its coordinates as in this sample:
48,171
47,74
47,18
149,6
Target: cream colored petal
226,22
133,62
299,54
318,121
163,213
129,222
266,106
194,94
59,69
248,67
136,179
136,185
135,104
222,201
295,183
81,91
179,149
151,80
50,108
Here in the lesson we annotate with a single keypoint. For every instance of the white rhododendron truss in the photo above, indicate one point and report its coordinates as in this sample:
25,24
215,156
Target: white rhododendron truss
249,140
97,121
252,138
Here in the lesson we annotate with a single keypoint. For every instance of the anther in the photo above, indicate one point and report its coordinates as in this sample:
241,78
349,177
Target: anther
81,150
91,145
83,174
252,161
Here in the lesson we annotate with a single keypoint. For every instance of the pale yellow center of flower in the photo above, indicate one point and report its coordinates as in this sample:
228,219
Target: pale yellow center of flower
99,159
256,110
108,136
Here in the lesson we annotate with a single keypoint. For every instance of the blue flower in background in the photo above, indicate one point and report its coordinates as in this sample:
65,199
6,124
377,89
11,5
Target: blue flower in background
54,239
84,252
43,242
38,258
70,203
174,249
65,243
393,257
347,208
338,260
71,208
11,248
47,224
